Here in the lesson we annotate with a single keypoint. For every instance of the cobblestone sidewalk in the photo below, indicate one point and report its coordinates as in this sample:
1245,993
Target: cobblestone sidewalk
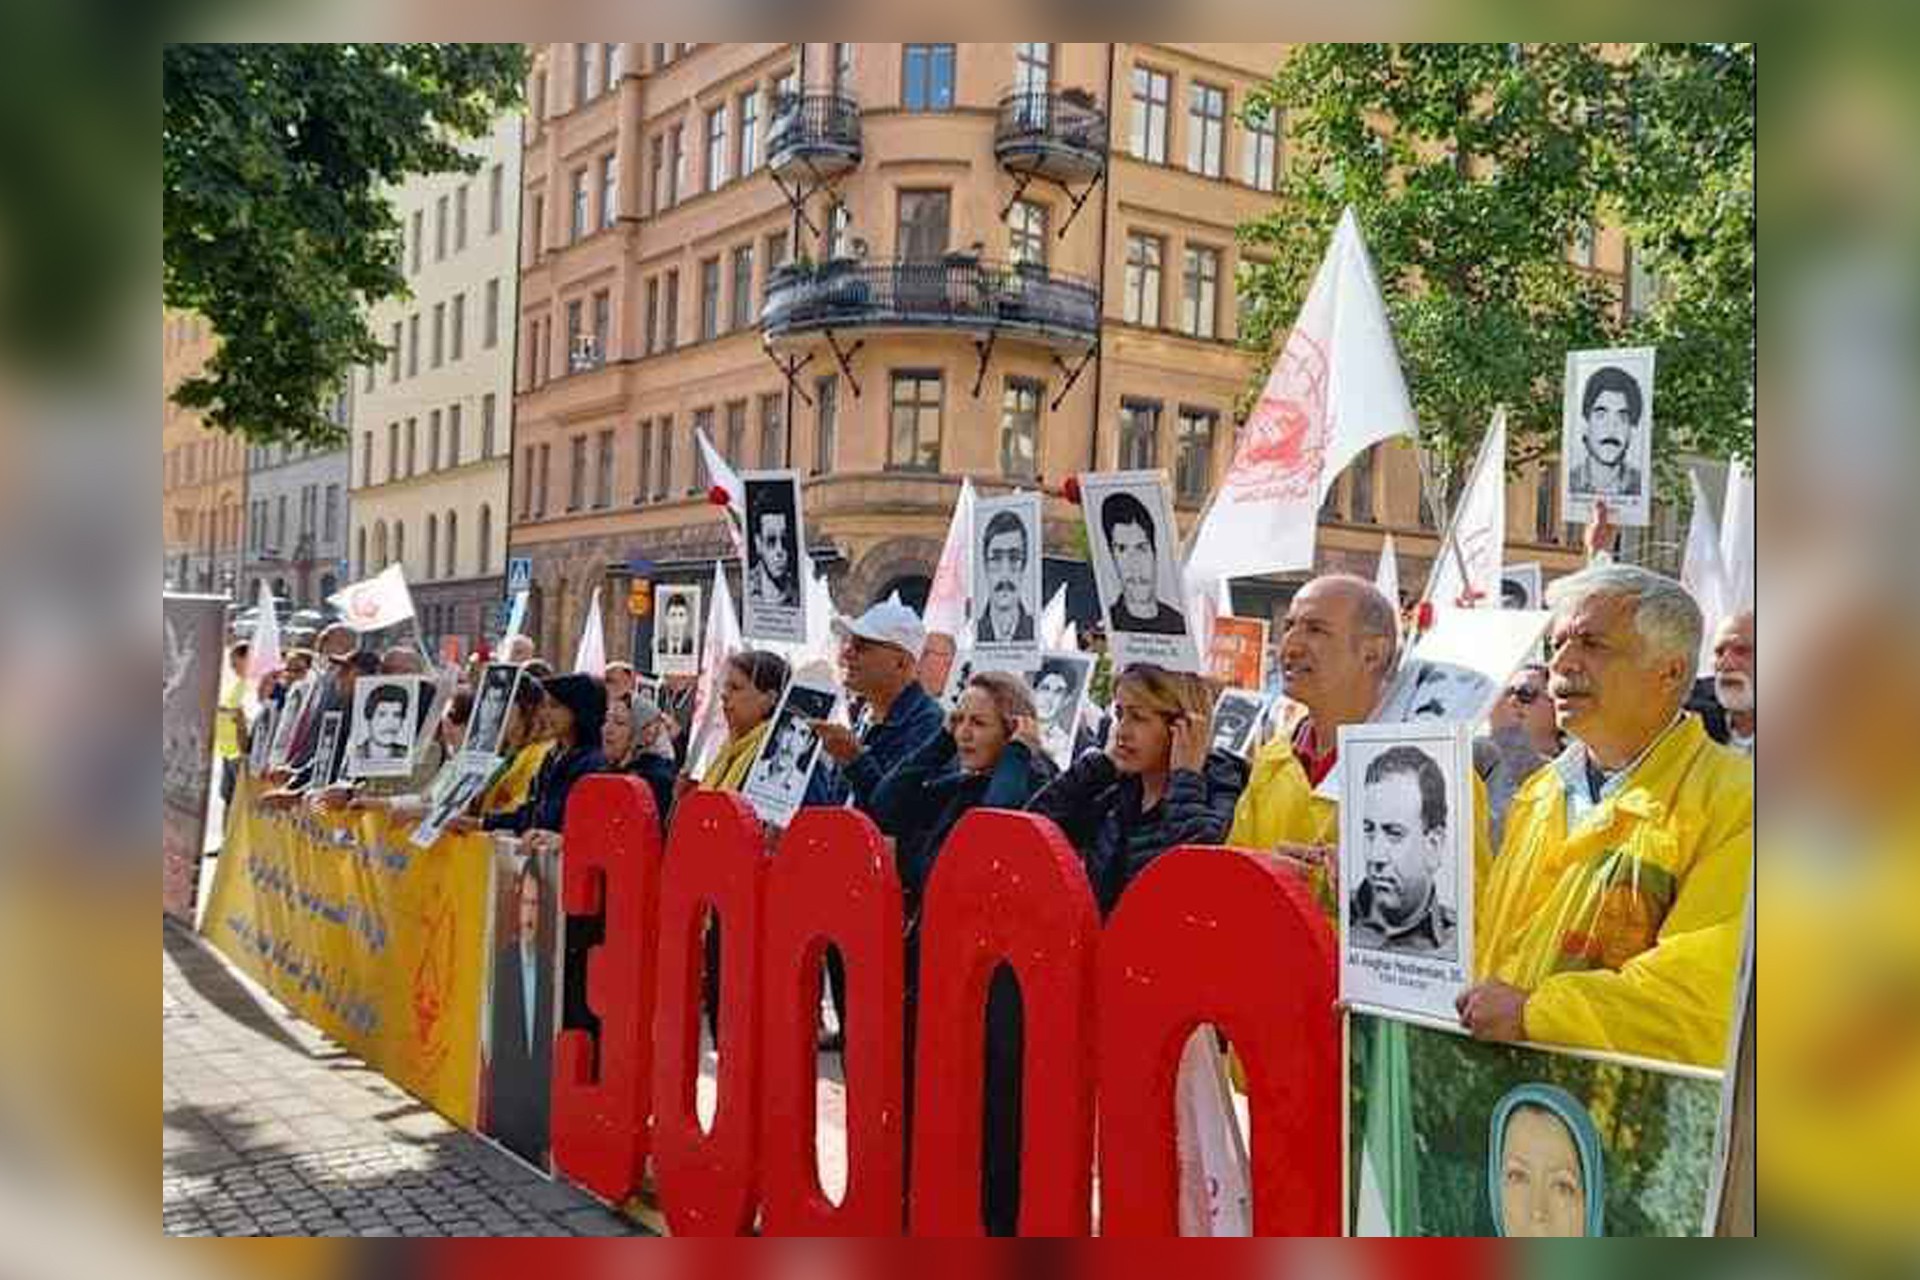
269,1128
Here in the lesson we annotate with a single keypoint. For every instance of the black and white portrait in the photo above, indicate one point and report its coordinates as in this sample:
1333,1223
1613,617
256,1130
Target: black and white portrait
326,748
518,1049
491,706
288,718
1406,865
959,671
1235,715
1006,579
1135,545
1059,701
1455,671
386,715
777,781
455,787
676,630
1440,692
1521,587
772,598
1607,435
260,745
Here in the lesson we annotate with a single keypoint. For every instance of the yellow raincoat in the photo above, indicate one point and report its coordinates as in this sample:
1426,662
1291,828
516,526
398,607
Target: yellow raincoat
1627,930
513,784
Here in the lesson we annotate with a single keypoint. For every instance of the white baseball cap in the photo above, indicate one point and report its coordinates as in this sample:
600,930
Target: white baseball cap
889,622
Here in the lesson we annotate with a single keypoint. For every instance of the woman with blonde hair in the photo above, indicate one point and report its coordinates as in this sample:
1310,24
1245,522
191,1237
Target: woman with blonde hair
1157,785
752,687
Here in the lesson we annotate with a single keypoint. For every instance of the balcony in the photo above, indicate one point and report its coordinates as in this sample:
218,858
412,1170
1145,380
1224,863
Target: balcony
959,291
814,137
1061,137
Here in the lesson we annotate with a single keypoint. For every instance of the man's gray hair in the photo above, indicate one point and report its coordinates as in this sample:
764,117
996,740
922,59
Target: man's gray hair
1666,617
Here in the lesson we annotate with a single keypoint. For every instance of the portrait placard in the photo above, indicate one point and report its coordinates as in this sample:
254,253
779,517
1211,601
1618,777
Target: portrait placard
1135,546
777,781
386,721
1060,700
499,685
772,599
1237,714
1006,583
1606,435
676,630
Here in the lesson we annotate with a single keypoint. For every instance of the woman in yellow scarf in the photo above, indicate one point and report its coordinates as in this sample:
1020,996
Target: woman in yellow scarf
754,682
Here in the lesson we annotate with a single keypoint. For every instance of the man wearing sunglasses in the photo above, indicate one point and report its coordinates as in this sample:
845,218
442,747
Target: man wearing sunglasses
1524,737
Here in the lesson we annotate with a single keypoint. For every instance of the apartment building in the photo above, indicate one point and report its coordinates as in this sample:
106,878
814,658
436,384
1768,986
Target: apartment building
296,530
203,473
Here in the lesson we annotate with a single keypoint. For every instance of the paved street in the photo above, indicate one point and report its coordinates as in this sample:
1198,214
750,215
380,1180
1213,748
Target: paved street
269,1128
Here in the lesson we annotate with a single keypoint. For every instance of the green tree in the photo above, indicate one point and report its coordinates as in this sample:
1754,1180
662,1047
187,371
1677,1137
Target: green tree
275,159
1473,169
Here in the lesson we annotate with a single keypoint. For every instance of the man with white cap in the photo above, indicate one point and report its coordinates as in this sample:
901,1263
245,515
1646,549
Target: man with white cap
879,660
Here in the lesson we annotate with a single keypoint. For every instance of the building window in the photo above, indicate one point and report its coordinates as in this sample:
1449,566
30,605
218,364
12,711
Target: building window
842,67
380,544
1143,280
1200,294
433,544
460,218
928,77
577,227
676,163
279,525
485,549
1193,454
670,336
653,316
734,447
578,357
609,67
393,452
826,399
748,144
577,474
453,435
922,228
366,458
659,173
1027,234
433,441
602,326
458,339
839,232
1032,68
609,190
490,323
1260,162
743,287
1139,435
526,482
709,299
773,431
717,148
1206,129
643,448
1152,91
440,229
413,345
1020,429
1362,485
439,334
913,442
487,412
419,237
360,552
666,456
582,73
537,229
453,546
393,355
496,198
413,440
603,472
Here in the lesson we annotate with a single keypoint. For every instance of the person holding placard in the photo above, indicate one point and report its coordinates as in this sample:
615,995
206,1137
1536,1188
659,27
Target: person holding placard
879,663
754,681
1612,918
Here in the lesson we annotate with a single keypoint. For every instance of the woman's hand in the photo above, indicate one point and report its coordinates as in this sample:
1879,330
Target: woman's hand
462,824
1307,858
1599,535
1188,749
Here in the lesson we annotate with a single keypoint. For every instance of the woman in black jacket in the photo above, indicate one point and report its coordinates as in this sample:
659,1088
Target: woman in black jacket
1155,787
988,756
631,744
573,714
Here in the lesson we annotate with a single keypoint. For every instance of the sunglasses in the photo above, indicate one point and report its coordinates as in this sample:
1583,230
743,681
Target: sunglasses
1525,695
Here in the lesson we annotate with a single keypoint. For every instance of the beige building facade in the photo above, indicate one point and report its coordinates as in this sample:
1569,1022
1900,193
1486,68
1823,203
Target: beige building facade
432,425
889,267
203,474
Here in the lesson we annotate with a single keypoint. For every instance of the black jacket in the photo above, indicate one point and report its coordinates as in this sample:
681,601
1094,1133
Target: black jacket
659,775
1098,808
546,806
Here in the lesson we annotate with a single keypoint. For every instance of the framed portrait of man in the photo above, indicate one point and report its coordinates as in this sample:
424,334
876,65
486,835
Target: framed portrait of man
326,748
676,630
1236,716
1059,701
773,607
523,1000
1135,545
777,780
1406,866
260,744
492,704
1006,582
1606,435
1522,586
386,720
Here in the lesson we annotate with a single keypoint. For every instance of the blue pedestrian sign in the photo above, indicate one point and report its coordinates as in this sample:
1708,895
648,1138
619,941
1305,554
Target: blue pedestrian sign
519,574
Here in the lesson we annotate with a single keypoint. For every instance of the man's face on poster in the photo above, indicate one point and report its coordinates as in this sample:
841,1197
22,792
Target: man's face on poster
387,723
771,542
1006,563
1230,723
1443,691
1609,430
1401,855
1050,696
679,618
529,905
1133,559
794,739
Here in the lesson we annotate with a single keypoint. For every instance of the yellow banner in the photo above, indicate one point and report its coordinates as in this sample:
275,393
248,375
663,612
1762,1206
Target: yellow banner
381,945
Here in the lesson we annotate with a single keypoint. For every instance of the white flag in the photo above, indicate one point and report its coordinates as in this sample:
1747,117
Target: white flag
725,477
946,610
263,647
821,645
1466,575
1053,619
1736,538
1386,574
722,642
1335,390
376,602
591,656
1703,570
1207,599
516,617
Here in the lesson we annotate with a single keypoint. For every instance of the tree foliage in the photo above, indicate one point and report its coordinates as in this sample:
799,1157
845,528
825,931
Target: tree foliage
1474,169
275,160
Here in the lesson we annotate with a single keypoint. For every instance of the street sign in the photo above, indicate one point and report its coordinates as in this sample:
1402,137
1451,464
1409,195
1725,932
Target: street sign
519,574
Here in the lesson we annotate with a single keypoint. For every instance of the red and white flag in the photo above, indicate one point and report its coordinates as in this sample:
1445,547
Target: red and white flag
946,610
1335,390
727,479
722,641
1466,574
376,602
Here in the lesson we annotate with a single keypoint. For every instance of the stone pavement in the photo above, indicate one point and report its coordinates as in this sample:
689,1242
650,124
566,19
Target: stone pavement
270,1128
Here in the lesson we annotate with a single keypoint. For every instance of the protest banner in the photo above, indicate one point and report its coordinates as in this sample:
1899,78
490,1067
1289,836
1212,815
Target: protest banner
192,664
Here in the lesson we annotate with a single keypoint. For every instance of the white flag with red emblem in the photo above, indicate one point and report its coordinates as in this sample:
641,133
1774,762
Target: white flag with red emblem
1466,574
946,610
1335,390
376,602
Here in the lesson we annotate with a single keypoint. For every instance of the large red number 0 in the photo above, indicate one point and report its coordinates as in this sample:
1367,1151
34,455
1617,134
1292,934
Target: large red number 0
832,881
715,857
1226,937
610,867
1007,887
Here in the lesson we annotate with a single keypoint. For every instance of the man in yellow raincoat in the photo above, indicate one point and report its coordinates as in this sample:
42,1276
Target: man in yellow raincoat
1612,918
